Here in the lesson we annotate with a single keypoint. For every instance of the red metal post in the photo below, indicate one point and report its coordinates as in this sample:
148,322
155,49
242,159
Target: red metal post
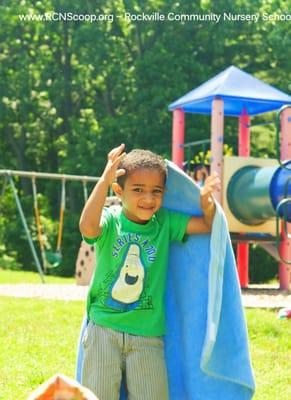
285,246
242,249
178,133
242,260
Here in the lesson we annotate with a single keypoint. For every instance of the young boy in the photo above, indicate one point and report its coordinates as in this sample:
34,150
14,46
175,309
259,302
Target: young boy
126,297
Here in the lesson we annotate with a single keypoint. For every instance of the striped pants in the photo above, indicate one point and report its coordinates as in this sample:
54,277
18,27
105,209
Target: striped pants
109,355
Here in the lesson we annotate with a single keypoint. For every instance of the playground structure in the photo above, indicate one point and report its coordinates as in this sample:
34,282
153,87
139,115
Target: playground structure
256,193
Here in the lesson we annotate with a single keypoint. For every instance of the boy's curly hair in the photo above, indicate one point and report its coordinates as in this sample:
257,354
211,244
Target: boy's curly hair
140,159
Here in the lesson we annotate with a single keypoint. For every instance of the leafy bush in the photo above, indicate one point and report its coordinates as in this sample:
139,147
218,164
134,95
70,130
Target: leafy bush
8,261
262,266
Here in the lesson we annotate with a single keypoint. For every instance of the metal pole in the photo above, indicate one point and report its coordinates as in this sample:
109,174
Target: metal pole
32,248
47,175
196,143
85,190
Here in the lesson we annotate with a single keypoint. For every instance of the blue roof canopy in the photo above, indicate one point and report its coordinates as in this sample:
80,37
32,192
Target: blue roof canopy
238,89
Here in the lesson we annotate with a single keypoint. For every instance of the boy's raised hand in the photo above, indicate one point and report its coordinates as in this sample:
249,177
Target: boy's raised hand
111,171
212,183
90,221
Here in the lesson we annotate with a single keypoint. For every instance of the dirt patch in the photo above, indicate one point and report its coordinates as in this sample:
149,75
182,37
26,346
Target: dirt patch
266,296
45,291
256,296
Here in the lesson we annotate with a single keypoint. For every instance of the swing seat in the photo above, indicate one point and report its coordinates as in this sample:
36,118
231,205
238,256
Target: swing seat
50,259
53,259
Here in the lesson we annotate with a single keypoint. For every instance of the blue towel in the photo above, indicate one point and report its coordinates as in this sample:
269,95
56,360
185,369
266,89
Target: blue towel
206,344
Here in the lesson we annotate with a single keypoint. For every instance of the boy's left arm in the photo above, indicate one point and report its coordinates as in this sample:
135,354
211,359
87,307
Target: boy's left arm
203,224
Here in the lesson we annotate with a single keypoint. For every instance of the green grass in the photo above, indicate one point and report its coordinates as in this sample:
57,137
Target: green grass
8,276
38,338
270,346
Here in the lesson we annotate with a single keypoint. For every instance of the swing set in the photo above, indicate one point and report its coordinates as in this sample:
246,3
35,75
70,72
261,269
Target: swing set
49,258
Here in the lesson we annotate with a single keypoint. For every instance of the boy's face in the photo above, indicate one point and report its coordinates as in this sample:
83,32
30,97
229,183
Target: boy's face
142,194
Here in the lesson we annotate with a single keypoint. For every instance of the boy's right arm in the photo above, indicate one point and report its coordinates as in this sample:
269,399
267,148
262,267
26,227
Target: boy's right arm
90,221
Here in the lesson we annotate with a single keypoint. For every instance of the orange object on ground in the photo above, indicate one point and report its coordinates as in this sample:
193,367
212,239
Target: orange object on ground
60,387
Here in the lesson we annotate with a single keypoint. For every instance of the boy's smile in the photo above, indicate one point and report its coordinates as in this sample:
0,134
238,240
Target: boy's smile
142,194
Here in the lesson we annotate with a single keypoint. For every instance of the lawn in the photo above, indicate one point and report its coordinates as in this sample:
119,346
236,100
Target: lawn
38,338
7,276
270,347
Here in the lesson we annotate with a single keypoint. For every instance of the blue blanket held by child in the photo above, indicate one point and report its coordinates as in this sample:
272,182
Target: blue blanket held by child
206,344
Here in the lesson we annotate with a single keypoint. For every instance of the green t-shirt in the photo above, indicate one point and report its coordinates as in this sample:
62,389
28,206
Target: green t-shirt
127,290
